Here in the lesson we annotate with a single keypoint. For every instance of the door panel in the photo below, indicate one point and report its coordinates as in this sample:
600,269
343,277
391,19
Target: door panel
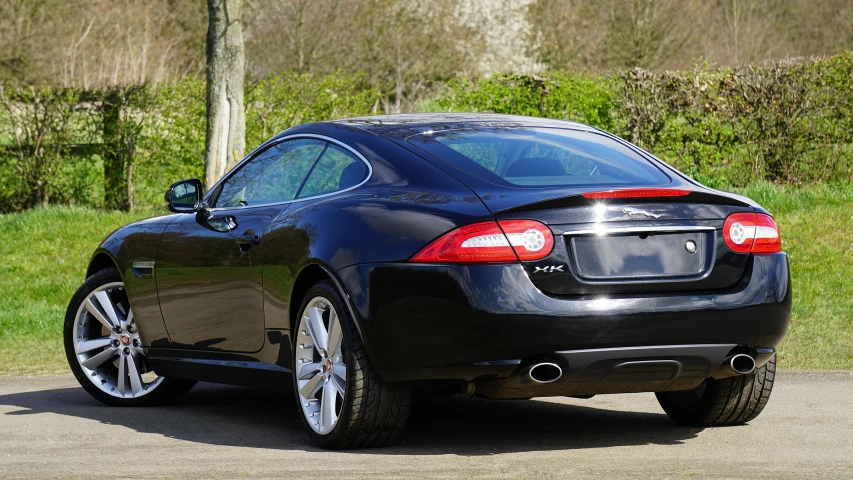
210,264
210,282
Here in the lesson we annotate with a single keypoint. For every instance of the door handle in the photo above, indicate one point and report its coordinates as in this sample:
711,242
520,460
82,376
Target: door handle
245,241
248,240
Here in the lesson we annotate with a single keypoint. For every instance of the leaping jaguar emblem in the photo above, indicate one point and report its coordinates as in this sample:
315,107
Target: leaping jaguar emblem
637,211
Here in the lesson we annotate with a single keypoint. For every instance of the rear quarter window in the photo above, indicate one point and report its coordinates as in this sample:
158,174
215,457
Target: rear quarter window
541,157
337,169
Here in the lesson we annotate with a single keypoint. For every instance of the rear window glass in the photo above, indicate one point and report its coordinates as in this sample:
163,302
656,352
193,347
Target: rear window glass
540,157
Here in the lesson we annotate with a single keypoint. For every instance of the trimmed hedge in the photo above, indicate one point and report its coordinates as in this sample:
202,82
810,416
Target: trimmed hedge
163,126
788,122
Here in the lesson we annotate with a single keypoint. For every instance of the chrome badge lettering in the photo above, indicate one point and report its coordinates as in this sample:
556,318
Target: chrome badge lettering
548,269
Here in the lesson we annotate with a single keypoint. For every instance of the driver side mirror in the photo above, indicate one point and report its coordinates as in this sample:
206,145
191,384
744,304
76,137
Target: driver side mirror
184,196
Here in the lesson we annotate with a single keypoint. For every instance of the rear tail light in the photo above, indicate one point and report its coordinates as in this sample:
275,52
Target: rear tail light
752,232
530,239
490,242
638,193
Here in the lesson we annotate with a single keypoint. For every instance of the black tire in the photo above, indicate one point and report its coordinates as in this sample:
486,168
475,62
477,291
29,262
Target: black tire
168,389
373,412
728,401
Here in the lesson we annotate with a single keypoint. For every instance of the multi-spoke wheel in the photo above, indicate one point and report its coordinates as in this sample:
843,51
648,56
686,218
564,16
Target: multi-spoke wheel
104,349
343,401
321,372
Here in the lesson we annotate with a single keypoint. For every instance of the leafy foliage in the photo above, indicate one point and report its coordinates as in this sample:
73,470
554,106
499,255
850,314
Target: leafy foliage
38,164
281,101
54,142
787,122
571,96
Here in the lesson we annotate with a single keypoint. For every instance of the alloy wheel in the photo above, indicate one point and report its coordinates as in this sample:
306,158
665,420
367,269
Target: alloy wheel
320,367
107,344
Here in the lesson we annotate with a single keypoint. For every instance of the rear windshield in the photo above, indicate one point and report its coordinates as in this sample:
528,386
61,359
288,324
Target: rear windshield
540,157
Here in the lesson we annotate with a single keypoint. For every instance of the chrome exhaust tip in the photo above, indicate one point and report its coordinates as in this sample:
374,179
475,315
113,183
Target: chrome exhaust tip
741,364
545,372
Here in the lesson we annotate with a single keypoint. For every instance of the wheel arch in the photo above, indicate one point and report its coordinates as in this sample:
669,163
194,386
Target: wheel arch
101,260
308,276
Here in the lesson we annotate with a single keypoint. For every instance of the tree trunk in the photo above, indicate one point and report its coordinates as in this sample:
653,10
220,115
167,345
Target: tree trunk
131,150
399,81
226,122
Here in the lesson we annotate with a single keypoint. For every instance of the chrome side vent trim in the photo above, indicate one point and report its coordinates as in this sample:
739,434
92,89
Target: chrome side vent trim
143,269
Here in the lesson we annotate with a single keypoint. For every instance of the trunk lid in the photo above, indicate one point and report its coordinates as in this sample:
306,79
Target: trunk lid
623,222
632,246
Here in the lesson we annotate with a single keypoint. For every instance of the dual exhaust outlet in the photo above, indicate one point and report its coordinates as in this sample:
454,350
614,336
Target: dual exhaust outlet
547,372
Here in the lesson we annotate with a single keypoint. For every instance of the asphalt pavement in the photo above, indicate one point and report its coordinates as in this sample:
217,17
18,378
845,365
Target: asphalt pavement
50,428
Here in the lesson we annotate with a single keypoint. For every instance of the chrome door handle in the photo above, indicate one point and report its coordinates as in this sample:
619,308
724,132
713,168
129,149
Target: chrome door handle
248,239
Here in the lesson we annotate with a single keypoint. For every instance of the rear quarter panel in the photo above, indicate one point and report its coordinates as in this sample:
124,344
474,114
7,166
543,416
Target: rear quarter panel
405,204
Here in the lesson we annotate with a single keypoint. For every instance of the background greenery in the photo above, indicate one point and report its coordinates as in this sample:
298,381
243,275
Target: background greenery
787,122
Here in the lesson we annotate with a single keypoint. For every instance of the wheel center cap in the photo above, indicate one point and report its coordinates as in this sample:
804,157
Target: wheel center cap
125,339
329,364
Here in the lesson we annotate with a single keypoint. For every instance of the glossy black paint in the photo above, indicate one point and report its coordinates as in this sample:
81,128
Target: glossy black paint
437,321
227,282
138,241
210,282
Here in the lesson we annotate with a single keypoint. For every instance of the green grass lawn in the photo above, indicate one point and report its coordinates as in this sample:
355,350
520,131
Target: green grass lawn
45,252
44,259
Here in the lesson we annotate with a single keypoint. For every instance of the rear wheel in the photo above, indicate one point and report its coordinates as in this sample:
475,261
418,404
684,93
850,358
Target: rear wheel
726,401
105,351
343,402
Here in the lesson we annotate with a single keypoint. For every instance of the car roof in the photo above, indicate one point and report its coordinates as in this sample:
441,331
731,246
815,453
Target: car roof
412,123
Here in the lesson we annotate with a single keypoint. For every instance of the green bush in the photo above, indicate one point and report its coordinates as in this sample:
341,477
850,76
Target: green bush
171,144
786,122
39,130
282,101
570,96
86,141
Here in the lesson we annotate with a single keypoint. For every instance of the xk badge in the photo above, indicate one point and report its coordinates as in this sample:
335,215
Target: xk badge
548,269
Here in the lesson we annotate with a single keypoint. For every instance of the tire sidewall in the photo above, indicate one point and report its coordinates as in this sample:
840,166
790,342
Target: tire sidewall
327,291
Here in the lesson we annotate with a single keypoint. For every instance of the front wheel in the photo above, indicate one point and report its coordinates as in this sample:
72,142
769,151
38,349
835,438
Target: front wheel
726,401
343,402
105,351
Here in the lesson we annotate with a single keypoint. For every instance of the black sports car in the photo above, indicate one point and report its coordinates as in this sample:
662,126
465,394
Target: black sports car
500,256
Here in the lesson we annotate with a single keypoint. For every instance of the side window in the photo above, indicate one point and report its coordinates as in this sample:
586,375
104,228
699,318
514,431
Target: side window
273,176
336,170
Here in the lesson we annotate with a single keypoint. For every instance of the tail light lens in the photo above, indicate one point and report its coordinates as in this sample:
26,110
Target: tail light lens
529,239
752,232
490,242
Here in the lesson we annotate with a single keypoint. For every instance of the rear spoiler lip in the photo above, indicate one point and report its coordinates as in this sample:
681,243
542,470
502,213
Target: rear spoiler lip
708,196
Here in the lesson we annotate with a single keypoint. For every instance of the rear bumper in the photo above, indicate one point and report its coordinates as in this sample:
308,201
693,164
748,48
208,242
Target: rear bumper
480,322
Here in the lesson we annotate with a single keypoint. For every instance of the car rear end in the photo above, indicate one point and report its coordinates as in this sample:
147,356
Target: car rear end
602,271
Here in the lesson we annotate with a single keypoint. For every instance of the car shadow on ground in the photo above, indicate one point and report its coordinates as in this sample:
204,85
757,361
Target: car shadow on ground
235,416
